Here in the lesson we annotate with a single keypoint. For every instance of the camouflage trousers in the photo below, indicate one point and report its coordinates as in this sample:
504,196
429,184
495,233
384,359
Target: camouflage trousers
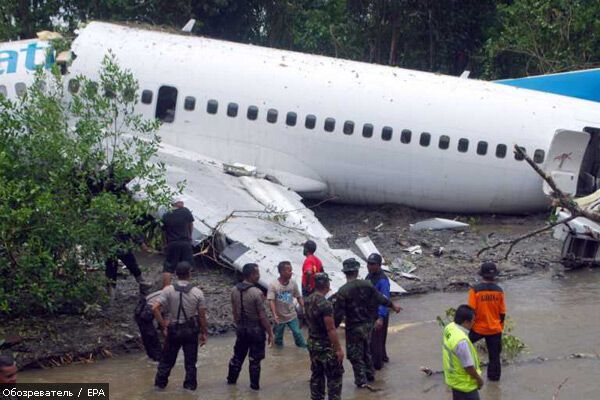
358,349
324,367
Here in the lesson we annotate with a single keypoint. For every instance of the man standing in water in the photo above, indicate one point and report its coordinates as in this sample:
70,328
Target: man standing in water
381,282
251,323
487,299
178,225
187,327
280,296
357,302
326,354
459,357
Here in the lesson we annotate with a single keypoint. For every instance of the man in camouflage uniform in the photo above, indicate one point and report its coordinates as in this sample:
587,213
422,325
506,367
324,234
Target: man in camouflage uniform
326,354
357,302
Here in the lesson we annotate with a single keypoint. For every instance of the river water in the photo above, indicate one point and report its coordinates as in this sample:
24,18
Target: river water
554,316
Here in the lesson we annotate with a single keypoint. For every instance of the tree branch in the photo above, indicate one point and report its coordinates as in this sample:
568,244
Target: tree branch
560,199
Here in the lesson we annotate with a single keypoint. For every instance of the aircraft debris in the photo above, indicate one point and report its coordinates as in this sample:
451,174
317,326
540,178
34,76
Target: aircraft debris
239,169
414,250
48,35
400,265
366,246
436,224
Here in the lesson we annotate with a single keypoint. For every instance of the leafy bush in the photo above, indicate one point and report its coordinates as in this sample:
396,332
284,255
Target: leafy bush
512,346
68,167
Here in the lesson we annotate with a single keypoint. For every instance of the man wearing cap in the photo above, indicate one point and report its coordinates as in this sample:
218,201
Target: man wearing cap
326,354
381,282
178,225
357,302
487,299
311,266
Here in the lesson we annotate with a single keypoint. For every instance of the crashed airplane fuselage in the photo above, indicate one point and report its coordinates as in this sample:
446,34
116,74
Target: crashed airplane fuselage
319,127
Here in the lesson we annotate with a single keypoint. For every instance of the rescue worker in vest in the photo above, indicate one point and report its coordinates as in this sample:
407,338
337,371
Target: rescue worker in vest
487,299
381,282
357,303
326,354
186,327
144,317
250,317
459,357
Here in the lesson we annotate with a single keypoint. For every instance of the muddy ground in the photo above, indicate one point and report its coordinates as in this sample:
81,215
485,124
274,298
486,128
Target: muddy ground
111,330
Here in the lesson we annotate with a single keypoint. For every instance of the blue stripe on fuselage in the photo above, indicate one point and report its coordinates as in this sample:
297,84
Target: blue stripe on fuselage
579,84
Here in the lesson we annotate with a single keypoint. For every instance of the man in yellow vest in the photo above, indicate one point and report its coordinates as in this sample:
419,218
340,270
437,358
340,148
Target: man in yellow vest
461,363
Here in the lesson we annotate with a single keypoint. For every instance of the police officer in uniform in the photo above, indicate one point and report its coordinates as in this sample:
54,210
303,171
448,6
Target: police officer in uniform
326,354
186,327
357,303
144,317
250,317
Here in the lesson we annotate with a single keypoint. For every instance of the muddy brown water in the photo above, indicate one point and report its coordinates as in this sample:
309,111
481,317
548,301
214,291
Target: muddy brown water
555,317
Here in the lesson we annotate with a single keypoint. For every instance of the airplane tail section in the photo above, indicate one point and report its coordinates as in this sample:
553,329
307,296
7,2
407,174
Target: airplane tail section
583,84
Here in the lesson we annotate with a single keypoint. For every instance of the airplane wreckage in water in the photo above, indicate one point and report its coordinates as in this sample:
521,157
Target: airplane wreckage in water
245,187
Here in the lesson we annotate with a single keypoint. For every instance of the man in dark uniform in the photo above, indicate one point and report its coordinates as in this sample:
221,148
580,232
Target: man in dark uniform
326,354
250,317
357,302
178,225
381,282
144,318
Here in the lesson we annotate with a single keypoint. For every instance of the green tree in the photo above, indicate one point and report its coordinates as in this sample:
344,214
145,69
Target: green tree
544,36
68,168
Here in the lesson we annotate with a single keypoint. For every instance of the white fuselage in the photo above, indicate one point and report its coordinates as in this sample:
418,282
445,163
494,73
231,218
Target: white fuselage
350,167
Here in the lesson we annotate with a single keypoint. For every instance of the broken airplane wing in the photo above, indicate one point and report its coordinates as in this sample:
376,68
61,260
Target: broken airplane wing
251,219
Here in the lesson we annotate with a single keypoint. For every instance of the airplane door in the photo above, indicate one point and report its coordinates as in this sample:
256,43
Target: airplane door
564,159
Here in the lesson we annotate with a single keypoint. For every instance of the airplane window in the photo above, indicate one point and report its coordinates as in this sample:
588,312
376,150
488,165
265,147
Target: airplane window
386,133
3,91
232,109
444,142
482,148
311,121
348,127
405,136
166,103
252,113
425,139
291,118
20,88
212,106
367,130
272,115
329,124
73,86
189,103
538,156
501,151
463,145
146,96
519,157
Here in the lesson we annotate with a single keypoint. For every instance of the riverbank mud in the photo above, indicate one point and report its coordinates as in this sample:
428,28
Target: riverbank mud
448,262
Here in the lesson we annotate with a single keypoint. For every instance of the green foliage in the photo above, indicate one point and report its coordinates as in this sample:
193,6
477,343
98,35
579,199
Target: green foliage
512,345
544,36
65,166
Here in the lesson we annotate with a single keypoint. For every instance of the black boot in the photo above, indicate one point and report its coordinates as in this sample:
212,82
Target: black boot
254,375
234,372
